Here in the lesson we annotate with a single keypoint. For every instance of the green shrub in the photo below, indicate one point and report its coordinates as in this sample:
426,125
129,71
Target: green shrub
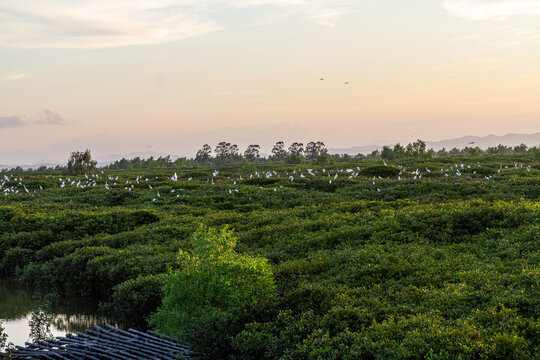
294,159
212,292
135,299
15,259
479,171
262,181
380,170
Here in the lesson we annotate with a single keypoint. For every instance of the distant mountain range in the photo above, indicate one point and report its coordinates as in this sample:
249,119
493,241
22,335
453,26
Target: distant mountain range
482,142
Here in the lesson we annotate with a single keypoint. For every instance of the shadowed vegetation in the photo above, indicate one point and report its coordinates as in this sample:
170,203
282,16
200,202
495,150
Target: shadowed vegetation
420,259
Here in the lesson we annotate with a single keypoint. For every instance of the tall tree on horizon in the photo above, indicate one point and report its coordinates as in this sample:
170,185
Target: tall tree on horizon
252,152
203,155
278,151
81,162
314,149
297,149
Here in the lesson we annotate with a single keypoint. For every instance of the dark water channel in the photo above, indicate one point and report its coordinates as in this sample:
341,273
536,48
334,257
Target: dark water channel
21,312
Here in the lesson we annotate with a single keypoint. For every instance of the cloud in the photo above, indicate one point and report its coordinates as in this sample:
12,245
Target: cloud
46,117
114,23
492,9
327,17
96,23
12,77
10,121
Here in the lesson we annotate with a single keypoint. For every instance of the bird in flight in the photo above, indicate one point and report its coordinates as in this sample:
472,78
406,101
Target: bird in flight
148,146
346,83
321,79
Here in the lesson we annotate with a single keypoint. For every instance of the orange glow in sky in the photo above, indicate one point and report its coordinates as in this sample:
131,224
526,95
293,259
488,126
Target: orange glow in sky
116,75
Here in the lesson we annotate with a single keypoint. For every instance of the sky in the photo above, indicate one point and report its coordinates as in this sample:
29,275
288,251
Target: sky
123,76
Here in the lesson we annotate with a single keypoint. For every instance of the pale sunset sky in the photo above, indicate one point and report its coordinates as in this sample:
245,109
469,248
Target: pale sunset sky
121,76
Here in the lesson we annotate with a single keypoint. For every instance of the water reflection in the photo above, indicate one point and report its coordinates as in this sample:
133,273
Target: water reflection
14,301
71,323
40,325
26,318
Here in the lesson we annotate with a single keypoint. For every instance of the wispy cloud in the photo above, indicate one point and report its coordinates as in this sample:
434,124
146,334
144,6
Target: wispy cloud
326,17
97,23
12,77
113,23
46,117
491,9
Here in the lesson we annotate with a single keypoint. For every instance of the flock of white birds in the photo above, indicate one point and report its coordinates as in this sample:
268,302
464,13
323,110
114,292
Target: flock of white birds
16,185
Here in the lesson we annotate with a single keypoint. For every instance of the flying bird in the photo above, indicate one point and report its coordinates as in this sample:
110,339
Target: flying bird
346,83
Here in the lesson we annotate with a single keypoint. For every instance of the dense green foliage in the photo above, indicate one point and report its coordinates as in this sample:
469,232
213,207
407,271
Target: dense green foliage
81,162
421,259
207,296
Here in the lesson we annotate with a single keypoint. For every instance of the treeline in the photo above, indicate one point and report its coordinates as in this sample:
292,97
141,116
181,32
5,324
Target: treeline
296,153
316,152
150,163
227,153
418,149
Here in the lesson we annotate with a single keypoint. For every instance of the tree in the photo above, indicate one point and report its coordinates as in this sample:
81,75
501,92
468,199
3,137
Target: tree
164,161
324,159
226,152
213,292
180,162
124,164
399,151
472,151
222,149
387,153
536,151
499,149
375,155
136,163
522,148
252,152
278,151
442,152
416,149
314,149
203,155
81,162
296,149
